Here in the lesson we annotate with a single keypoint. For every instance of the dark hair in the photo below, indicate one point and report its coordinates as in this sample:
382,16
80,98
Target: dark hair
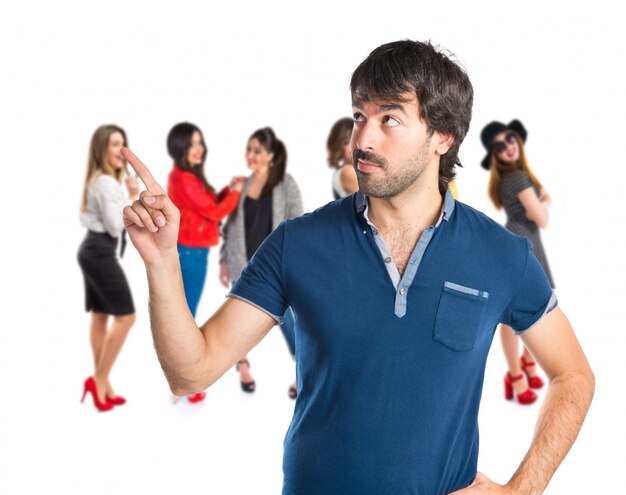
178,144
272,144
339,133
443,89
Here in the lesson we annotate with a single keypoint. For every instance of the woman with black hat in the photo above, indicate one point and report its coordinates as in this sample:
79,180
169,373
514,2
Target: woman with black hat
514,187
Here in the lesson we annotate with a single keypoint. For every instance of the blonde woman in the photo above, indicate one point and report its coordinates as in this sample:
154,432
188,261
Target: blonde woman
514,187
107,293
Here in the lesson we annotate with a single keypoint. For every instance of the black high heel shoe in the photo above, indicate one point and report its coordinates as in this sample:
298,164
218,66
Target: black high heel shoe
293,392
246,386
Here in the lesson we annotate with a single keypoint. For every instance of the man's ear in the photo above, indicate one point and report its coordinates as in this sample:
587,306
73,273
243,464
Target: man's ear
443,142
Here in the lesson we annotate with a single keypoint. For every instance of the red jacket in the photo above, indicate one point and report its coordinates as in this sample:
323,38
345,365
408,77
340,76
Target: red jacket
200,210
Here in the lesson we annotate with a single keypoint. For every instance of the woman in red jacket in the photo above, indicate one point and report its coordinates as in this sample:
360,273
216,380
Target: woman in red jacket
201,210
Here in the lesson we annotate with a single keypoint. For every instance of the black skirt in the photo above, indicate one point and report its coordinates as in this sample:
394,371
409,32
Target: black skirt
106,287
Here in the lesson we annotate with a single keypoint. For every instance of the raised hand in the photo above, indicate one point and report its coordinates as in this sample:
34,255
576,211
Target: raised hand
237,183
151,221
132,186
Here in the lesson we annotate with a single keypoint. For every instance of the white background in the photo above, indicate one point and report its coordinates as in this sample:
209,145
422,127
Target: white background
68,67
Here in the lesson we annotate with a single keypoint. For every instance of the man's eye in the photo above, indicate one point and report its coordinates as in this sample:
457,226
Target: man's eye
390,121
357,117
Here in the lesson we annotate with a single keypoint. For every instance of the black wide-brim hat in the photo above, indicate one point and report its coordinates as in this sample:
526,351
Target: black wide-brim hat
494,128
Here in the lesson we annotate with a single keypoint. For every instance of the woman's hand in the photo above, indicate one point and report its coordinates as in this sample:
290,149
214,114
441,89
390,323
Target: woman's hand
152,220
132,186
236,183
224,275
545,198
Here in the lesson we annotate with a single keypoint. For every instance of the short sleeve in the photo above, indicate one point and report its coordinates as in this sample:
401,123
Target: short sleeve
533,297
518,182
261,281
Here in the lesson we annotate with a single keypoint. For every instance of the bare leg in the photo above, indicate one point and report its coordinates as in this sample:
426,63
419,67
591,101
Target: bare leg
111,347
510,346
97,333
532,369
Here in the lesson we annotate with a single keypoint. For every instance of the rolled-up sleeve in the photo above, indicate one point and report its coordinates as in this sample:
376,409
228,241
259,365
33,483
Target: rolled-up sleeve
533,299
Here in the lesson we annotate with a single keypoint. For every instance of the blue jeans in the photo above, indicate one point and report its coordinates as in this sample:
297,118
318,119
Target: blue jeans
193,265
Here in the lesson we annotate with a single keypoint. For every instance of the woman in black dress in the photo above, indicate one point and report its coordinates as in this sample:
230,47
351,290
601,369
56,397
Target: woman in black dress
107,294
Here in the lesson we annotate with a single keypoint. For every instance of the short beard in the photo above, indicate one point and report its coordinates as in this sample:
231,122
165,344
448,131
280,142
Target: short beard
393,185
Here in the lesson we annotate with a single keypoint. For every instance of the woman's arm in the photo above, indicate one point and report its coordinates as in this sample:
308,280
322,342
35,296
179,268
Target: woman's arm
111,202
294,207
206,204
534,208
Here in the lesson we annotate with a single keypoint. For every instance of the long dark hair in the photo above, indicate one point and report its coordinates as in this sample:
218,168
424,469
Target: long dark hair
272,144
443,89
178,144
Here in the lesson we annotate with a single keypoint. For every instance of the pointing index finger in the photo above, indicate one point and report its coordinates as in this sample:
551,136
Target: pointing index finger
142,171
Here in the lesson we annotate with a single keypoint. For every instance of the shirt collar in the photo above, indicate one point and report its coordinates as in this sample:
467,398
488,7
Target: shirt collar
446,212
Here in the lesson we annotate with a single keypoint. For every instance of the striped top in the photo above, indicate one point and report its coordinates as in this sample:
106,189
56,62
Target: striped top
514,183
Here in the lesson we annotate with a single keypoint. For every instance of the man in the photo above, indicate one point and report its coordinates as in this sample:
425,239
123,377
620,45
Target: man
389,380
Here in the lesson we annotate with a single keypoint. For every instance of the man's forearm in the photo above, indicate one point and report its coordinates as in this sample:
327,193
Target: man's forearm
559,422
177,339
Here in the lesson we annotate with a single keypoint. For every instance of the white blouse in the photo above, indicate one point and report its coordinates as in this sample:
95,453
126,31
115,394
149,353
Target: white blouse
105,201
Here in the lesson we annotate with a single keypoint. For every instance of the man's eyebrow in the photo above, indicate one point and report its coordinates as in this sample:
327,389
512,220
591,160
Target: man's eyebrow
385,107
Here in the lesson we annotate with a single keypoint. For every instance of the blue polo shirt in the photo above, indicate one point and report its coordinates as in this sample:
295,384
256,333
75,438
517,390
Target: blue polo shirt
390,373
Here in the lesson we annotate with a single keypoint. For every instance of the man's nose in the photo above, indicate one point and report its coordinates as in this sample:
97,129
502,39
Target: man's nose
366,137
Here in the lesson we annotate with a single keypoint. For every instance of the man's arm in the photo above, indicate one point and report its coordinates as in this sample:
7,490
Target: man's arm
555,347
191,358
553,344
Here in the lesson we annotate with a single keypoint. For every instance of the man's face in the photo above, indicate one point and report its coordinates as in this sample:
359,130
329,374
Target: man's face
391,146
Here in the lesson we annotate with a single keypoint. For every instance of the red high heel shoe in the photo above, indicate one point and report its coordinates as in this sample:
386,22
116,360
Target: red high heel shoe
199,397
533,381
90,386
118,400
525,398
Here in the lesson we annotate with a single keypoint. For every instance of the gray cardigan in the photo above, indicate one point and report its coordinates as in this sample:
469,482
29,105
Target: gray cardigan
286,203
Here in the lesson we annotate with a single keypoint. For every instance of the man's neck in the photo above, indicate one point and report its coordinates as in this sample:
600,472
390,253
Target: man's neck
415,209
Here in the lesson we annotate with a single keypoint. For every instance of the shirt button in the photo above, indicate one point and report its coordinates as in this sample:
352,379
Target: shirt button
402,291
387,259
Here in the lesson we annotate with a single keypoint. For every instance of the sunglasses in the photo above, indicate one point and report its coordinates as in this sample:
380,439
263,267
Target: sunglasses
500,146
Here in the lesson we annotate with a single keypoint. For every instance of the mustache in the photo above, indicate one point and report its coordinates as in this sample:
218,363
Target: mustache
368,157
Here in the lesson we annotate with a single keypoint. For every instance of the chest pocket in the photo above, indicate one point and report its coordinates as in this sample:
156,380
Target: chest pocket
459,316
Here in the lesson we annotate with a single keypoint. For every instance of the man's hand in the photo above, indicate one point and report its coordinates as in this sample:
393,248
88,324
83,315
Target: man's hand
482,486
152,220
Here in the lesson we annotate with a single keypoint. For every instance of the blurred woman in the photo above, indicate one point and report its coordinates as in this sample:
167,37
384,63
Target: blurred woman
514,187
344,181
269,196
201,210
107,293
